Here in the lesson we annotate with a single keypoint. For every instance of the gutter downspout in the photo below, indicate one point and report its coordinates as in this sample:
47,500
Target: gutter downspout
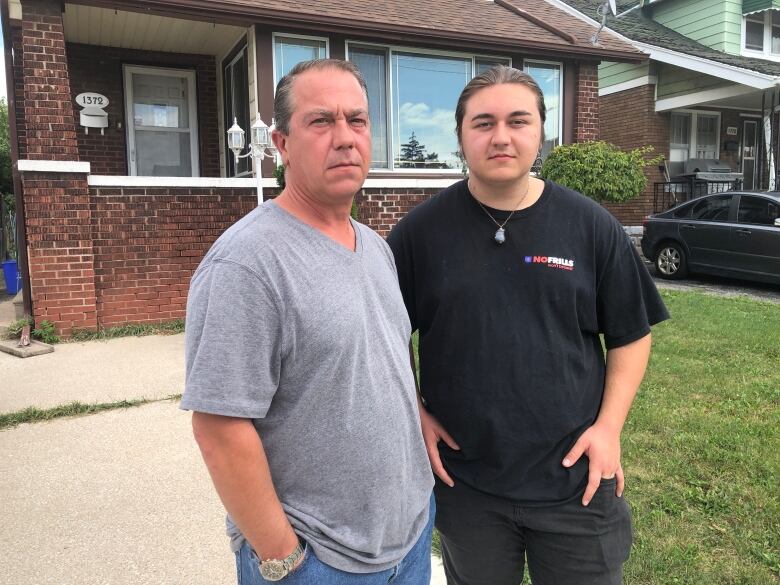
21,231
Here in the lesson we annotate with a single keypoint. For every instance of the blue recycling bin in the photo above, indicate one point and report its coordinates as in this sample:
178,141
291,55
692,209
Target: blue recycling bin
12,277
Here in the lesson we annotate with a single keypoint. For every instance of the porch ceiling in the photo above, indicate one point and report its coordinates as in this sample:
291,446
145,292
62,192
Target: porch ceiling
135,30
747,102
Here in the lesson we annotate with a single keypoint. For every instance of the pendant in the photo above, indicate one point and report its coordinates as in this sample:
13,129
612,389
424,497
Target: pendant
500,238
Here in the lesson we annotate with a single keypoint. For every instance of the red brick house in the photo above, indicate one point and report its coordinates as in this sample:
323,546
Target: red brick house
118,204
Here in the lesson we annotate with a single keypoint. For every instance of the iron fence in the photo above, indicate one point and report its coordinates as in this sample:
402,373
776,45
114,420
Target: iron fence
671,193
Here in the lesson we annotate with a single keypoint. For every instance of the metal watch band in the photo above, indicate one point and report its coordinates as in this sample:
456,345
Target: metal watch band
277,569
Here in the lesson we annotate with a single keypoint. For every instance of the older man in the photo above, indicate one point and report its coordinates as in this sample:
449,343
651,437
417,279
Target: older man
297,364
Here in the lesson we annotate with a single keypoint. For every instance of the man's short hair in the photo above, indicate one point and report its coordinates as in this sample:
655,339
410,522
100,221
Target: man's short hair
283,102
498,75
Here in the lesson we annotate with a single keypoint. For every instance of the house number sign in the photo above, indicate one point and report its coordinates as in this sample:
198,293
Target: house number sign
91,99
93,115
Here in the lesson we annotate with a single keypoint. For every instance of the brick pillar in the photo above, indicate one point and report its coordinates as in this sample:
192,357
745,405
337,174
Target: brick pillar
59,243
586,126
54,184
48,111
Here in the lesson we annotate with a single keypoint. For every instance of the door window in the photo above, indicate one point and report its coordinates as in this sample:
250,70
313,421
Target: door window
757,210
712,209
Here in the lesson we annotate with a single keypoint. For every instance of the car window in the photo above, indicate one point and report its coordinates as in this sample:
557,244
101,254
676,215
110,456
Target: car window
712,208
682,211
757,210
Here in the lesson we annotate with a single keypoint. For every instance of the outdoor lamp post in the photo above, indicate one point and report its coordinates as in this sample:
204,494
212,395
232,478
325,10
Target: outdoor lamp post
260,148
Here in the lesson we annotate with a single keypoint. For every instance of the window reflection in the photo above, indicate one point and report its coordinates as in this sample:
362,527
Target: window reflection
289,51
425,91
373,65
548,76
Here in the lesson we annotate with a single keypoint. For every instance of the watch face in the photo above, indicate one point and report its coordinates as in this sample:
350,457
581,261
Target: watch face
273,570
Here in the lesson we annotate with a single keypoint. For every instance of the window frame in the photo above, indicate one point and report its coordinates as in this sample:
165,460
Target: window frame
766,52
276,35
560,90
692,143
389,48
240,49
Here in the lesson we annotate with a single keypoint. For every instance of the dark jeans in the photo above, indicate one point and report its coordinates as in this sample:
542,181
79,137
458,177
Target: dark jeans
486,540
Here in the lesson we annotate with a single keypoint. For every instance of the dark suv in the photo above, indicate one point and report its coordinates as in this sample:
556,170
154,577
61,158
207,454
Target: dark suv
734,234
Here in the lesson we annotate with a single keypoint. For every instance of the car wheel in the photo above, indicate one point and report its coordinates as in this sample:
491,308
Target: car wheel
670,261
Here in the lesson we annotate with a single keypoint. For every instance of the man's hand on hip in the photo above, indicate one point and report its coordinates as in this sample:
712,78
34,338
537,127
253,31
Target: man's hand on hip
602,447
433,432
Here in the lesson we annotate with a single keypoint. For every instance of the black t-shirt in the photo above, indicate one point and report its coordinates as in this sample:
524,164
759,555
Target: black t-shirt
511,362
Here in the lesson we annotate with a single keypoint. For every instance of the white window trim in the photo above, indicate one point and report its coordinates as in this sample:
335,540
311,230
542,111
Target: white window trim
189,75
389,48
694,127
767,52
276,35
560,90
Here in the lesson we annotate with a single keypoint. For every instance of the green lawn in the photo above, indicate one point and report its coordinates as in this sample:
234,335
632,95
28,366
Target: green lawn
701,448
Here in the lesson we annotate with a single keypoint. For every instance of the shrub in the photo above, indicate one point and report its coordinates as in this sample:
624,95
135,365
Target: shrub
279,176
599,170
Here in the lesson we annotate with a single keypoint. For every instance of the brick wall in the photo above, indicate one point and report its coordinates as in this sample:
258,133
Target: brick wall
99,69
59,243
586,126
49,132
21,128
380,209
148,242
629,120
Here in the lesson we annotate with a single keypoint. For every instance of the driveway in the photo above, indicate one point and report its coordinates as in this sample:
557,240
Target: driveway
725,287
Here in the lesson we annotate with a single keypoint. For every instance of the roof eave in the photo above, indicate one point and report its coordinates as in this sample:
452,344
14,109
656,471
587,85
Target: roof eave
229,13
731,73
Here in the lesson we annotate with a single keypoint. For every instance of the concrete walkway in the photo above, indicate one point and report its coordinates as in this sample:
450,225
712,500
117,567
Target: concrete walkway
118,497
94,371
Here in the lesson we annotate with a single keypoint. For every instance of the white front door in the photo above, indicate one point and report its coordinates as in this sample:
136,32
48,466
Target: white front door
162,122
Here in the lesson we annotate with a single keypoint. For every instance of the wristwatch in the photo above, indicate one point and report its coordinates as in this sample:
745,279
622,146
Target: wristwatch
278,569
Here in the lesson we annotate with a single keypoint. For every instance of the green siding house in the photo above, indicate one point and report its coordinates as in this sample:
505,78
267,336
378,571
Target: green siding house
710,90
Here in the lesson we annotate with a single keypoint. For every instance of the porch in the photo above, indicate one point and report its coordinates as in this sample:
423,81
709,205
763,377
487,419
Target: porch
121,197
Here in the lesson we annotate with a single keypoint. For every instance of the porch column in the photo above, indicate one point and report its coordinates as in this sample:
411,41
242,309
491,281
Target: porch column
586,126
54,183
59,243
48,109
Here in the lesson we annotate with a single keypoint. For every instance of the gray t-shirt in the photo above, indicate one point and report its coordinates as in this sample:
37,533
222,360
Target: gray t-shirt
310,340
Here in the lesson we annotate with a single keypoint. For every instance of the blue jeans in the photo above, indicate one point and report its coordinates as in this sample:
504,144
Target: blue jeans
413,569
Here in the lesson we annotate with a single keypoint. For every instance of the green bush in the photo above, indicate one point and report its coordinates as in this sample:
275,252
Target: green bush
279,176
44,331
599,170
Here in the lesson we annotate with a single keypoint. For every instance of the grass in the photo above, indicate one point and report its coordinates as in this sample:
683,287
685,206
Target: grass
700,447
139,329
33,414
46,332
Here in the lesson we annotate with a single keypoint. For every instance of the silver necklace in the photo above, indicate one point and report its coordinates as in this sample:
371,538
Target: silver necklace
500,235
